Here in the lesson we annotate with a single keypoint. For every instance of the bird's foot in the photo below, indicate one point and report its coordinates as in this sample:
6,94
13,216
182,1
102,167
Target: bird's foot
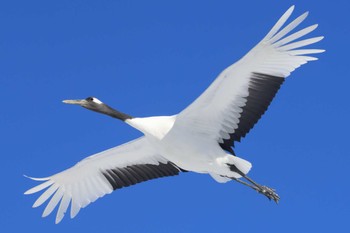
269,193
266,191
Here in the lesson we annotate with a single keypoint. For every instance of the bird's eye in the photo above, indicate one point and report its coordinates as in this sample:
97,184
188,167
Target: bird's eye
90,99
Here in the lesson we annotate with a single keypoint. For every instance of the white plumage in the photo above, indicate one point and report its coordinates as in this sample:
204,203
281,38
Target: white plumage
84,183
198,139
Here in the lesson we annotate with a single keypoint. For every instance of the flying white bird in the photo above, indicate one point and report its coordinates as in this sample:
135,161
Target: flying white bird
198,139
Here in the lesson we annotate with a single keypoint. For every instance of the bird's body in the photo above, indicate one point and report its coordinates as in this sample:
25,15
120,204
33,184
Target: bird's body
198,139
179,145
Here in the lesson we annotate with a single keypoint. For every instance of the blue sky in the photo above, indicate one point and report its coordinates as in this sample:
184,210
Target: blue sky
154,58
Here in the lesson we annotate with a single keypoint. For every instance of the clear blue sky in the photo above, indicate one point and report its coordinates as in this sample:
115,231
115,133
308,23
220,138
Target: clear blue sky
154,58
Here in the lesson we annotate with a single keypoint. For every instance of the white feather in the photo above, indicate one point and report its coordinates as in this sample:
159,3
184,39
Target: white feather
289,28
46,195
75,206
63,207
84,183
39,187
53,202
296,35
279,23
301,43
305,51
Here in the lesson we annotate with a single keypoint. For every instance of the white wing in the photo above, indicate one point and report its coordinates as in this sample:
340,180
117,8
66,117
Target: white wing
235,101
100,174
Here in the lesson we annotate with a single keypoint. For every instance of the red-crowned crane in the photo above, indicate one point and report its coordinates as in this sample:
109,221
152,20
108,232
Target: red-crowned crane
198,139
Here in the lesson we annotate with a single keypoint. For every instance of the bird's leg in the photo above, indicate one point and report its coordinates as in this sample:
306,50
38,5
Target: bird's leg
246,184
266,191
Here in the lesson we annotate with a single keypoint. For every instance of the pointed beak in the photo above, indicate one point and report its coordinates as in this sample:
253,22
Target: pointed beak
78,102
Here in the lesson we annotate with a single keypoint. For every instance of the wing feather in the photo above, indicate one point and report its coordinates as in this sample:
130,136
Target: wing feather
301,43
100,174
63,207
53,202
39,187
289,27
280,23
241,94
46,195
296,35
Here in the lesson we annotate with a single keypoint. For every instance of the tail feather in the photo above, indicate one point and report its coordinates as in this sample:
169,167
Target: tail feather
219,178
239,166
242,164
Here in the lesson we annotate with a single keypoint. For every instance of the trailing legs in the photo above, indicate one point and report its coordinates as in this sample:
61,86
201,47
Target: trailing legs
266,191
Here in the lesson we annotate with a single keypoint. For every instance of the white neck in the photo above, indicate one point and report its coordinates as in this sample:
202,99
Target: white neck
157,126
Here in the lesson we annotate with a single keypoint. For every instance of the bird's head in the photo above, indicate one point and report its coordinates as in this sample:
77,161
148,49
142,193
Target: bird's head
96,105
91,103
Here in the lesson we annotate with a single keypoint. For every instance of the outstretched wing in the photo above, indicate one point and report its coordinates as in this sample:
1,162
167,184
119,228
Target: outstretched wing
241,94
100,174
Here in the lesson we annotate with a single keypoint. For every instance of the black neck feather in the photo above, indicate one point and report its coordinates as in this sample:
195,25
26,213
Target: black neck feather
105,109
119,115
